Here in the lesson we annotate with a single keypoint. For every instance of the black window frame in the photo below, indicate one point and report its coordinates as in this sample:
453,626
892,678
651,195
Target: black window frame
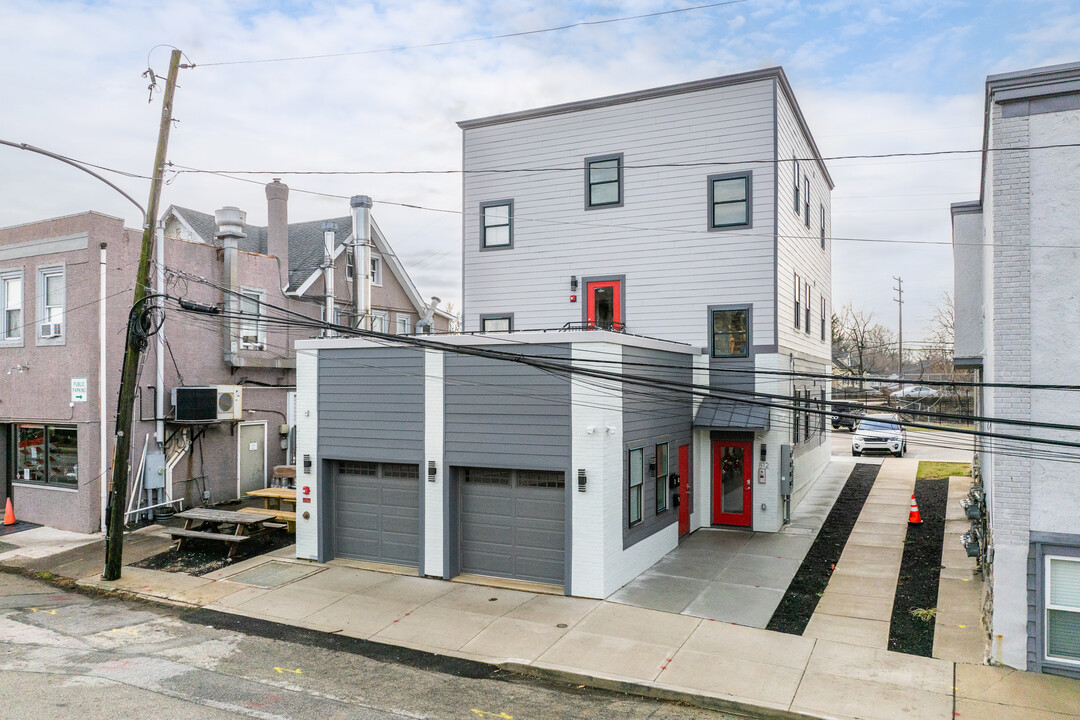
795,175
822,226
633,489
823,317
748,310
509,205
798,302
808,309
589,161
508,317
662,474
748,182
806,198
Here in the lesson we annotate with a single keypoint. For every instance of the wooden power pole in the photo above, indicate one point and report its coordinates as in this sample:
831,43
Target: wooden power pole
114,539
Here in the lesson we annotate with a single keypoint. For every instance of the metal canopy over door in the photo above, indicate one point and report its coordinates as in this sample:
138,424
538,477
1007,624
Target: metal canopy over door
512,524
377,512
732,487
250,457
604,305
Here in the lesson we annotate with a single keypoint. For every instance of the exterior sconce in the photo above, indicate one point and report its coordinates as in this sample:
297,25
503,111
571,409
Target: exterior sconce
307,464
611,429
652,465
582,480
573,283
431,471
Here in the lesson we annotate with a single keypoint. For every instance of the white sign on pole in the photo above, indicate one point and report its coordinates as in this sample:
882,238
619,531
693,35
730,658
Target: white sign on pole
78,390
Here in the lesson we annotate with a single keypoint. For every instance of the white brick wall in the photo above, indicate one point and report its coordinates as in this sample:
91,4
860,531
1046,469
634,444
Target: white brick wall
307,443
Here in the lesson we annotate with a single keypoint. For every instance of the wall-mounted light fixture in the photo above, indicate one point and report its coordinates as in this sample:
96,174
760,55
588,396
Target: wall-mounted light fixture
307,464
431,471
19,367
582,480
590,429
573,283
652,465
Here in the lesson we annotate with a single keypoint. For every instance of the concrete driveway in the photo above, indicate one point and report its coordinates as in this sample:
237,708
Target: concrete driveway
922,445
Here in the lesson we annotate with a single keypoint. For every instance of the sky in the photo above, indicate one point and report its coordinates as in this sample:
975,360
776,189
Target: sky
872,77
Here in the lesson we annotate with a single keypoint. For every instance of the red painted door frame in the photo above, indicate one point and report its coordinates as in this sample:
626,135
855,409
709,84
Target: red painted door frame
745,518
616,301
684,489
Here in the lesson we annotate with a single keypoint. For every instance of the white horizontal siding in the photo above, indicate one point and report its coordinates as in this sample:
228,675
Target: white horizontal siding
799,247
658,239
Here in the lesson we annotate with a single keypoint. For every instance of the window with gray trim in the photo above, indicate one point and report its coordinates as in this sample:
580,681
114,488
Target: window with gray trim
636,471
822,318
603,181
809,311
822,227
496,225
806,198
661,477
496,323
730,333
11,306
798,300
729,201
795,171
1062,609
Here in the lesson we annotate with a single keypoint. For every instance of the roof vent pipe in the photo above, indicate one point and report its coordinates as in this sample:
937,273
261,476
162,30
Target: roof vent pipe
277,226
361,254
230,230
426,324
329,241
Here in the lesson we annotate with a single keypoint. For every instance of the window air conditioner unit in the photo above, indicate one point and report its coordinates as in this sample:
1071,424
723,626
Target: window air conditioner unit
51,330
207,404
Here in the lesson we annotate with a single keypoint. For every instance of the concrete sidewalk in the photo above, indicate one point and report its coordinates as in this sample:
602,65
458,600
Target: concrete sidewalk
631,649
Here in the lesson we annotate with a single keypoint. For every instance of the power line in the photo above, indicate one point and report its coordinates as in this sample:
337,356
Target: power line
485,38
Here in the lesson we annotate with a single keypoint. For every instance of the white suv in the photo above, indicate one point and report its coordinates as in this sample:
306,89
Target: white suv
879,432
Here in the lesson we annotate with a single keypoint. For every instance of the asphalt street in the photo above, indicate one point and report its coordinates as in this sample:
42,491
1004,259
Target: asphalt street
935,445
71,655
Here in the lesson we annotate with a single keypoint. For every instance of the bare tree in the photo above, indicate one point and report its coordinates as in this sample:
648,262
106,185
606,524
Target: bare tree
455,324
937,357
868,345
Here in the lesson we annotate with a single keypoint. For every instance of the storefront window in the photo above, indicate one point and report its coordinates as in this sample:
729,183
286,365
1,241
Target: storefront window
46,454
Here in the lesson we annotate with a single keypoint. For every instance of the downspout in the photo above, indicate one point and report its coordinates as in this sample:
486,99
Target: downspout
329,232
103,433
361,252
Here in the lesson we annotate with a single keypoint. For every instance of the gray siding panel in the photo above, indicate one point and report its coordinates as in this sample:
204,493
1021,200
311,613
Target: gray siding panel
652,416
506,415
371,404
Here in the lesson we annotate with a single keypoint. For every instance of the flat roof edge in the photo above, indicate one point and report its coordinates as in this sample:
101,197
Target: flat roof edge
968,207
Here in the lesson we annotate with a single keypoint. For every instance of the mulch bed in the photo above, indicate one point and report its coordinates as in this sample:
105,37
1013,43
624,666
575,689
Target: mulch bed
809,583
200,557
911,630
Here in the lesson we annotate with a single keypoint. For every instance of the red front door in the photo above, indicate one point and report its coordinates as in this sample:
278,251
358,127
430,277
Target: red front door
684,490
604,305
732,501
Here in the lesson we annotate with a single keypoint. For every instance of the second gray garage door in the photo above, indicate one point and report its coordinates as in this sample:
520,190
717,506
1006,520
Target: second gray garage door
513,524
377,512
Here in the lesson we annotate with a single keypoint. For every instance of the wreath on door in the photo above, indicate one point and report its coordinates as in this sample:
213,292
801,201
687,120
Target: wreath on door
730,463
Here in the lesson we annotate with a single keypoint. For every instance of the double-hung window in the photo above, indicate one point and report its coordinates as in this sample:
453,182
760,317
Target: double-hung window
350,266
729,201
496,225
731,333
252,327
798,301
1063,609
822,227
51,303
806,199
603,181
795,176
822,318
11,304
808,309
376,271
380,321
46,454
636,473
404,324
661,477
496,323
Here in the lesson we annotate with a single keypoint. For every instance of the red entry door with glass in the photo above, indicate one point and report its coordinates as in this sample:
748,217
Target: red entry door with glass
684,489
732,501
604,305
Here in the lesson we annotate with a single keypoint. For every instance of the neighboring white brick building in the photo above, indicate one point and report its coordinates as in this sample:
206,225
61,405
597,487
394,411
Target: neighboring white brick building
1017,306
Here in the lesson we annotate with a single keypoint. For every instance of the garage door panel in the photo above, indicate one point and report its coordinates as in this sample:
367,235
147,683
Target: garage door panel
377,518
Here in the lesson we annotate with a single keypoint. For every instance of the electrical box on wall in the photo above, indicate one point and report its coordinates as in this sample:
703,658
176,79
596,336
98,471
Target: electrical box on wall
787,470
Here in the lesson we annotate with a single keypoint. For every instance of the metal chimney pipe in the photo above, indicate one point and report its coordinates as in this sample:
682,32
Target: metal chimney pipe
329,241
230,229
361,253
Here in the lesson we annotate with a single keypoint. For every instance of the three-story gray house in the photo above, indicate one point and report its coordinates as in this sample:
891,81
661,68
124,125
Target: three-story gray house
677,236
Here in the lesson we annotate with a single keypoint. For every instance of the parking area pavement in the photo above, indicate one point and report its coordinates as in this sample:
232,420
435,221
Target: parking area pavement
938,445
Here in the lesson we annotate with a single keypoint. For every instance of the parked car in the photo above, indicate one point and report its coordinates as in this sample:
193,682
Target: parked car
844,409
915,392
879,432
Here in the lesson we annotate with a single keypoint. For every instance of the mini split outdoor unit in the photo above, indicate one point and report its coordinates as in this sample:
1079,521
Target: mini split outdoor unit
207,404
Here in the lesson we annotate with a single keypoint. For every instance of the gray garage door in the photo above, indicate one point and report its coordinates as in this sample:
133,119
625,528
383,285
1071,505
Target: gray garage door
377,512
512,524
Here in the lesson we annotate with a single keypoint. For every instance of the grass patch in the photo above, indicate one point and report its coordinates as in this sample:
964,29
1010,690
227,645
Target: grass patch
929,469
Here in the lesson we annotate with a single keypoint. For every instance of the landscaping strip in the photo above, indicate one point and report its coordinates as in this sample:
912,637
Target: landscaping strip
911,629
806,588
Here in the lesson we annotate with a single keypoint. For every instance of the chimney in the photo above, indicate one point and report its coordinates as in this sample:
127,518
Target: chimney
230,230
277,226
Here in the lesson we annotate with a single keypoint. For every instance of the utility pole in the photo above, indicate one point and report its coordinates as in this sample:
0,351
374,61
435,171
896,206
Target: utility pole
114,539
900,305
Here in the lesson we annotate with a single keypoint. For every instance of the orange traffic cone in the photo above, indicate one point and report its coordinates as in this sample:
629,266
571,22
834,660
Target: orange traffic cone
9,514
914,517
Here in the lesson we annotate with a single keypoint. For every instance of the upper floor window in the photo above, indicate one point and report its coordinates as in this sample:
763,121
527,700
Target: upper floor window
496,225
823,318
51,303
795,175
603,181
798,301
729,201
380,321
404,324
496,323
806,199
636,474
350,266
252,328
11,303
809,309
376,271
822,227
731,333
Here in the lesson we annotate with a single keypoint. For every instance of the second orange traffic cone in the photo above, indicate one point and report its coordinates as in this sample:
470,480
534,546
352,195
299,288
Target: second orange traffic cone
9,514
914,517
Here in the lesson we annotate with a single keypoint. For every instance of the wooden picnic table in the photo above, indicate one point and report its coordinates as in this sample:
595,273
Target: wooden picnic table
212,523
273,497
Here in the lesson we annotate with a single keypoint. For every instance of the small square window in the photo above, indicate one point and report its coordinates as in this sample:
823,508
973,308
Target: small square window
729,201
636,473
731,333
496,323
404,324
662,490
603,181
496,225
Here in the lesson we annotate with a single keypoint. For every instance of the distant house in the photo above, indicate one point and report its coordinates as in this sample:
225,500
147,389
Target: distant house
59,327
1017,300
675,236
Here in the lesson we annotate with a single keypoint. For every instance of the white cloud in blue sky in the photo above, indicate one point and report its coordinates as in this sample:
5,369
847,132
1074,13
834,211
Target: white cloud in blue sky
888,76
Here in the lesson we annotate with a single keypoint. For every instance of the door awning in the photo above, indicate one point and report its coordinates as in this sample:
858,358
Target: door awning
723,414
